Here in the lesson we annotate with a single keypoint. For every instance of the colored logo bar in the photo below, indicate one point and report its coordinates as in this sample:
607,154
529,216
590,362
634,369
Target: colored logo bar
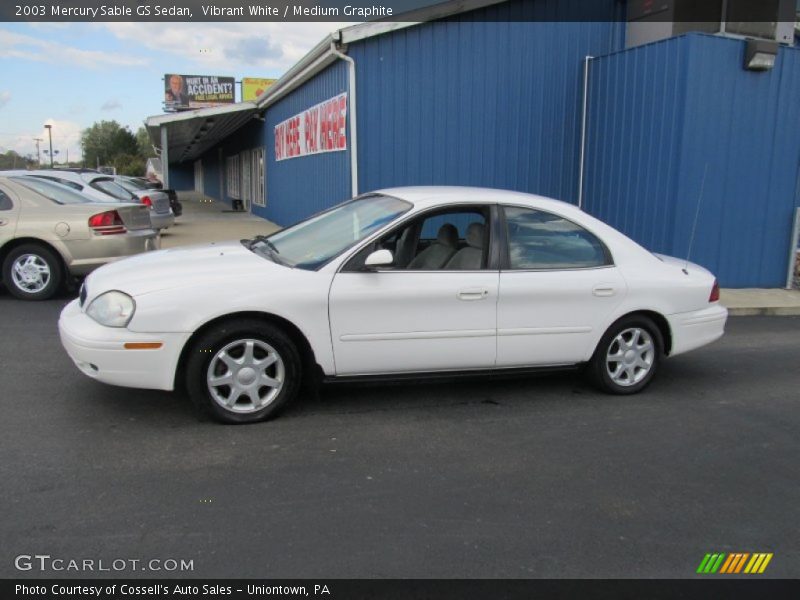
735,562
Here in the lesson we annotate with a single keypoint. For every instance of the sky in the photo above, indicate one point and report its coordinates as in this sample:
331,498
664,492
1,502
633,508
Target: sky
71,75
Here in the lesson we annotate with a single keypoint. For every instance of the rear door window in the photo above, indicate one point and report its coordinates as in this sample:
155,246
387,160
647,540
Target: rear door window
542,240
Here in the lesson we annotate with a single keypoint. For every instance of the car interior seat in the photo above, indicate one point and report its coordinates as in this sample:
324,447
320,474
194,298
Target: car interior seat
439,252
471,257
404,250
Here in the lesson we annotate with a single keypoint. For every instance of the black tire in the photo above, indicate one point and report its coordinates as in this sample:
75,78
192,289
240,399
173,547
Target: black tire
599,371
43,255
235,334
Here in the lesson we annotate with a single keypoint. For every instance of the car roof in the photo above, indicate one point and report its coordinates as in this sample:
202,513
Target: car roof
78,177
432,195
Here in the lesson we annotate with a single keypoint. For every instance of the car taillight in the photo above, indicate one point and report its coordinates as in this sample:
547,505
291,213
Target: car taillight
107,223
146,200
714,297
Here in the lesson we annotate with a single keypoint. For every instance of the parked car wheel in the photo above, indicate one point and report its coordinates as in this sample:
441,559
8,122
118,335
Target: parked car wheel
32,272
243,371
628,356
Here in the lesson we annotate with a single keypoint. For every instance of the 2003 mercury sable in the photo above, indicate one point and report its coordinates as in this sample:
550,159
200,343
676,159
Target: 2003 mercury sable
406,280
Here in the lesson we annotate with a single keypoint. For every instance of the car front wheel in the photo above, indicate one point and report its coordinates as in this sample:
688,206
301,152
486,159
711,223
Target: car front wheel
243,371
628,356
32,272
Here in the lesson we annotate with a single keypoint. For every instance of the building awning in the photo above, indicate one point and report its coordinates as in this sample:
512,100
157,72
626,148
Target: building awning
191,133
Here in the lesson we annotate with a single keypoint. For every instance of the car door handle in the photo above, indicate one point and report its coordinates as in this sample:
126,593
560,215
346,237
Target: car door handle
604,290
473,294
3,222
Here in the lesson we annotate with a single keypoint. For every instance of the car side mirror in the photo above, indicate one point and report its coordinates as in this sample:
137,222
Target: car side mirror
379,258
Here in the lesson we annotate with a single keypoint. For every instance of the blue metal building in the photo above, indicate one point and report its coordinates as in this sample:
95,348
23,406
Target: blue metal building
493,97
664,115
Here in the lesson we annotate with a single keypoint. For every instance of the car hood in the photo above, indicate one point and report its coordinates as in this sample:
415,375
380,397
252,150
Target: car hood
178,267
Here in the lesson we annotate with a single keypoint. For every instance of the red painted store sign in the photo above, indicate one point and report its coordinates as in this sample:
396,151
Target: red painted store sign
321,128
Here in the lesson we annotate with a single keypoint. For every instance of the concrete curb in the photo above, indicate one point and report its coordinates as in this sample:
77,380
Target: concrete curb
773,311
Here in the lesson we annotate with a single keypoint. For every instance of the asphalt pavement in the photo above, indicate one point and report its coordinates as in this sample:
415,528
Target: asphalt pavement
516,478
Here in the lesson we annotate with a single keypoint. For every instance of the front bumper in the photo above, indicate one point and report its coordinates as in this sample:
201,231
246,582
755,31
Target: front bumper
100,352
697,328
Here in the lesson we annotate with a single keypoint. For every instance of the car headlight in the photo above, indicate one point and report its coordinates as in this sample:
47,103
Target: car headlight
112,309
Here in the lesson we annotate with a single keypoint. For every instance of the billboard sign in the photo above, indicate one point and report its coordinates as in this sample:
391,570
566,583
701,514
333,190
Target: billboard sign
321,128
253,87
184,92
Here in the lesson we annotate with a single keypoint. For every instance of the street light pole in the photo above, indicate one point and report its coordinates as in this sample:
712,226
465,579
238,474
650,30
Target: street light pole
50,135
38,154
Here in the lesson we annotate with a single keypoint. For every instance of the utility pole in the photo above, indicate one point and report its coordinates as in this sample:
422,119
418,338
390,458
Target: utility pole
50,135
38,155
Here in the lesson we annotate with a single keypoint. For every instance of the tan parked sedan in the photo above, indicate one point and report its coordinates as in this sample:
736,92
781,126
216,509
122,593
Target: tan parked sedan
49,232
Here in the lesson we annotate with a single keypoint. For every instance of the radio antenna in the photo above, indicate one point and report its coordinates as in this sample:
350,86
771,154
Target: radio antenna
696,215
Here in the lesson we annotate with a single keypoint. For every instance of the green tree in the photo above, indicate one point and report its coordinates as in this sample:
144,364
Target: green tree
13,160
130,164
144,143
106,142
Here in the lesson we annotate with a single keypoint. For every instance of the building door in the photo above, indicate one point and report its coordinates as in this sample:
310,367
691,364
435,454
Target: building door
258,177
247,179
198,176
221,172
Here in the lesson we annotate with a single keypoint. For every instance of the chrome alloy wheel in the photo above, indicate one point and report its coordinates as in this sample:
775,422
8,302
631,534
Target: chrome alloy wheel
245,376
630,356
30,273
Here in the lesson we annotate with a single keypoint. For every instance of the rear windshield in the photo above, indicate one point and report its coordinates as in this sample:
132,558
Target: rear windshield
131,184
66,182
112,189
60,194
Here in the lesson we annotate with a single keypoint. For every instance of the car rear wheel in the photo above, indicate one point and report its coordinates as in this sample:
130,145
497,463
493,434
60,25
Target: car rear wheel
32,272
243,371
628,356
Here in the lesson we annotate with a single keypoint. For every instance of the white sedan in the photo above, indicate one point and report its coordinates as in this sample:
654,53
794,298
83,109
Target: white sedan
417,280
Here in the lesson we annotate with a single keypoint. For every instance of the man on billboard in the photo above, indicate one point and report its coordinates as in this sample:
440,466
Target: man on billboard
175,95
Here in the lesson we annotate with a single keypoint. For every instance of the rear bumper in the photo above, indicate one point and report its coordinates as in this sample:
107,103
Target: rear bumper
99,352
697,328
162,221
83,256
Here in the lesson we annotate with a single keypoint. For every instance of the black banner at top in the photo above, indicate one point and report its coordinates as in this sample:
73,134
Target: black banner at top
201,10
706,11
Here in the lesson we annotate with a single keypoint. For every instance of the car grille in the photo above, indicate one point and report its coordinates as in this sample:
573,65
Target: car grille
82,297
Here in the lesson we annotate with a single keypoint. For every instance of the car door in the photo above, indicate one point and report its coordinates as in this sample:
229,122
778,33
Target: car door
558,287
9,215
434,312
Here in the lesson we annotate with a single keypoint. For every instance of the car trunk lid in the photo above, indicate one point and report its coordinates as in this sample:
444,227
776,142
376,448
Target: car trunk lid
134,216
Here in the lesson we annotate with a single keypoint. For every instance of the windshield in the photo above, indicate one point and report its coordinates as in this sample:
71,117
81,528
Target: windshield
56,192
313,242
